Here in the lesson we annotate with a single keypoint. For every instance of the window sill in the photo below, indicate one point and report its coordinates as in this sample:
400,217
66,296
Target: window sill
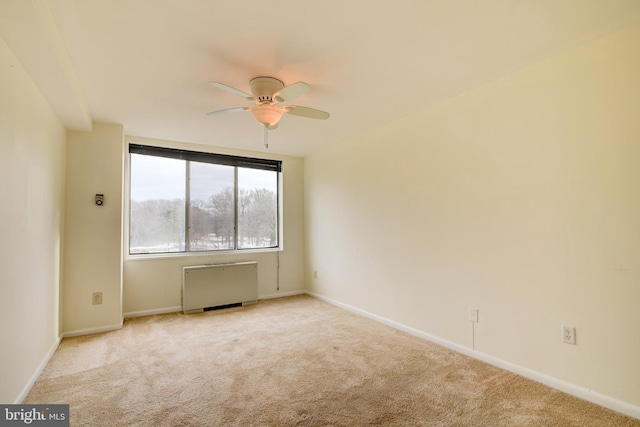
212,254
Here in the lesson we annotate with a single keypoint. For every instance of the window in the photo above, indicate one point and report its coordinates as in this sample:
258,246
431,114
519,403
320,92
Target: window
187,201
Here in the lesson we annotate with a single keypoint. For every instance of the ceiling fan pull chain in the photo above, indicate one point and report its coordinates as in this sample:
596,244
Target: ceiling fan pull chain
266,139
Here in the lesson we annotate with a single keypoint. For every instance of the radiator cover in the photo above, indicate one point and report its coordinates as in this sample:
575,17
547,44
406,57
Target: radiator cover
214,285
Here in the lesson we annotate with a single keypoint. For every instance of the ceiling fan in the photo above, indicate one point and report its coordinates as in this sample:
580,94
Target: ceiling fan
268,93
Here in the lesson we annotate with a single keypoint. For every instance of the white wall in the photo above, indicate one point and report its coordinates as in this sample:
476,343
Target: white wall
520,198
155,284
93,234
32,156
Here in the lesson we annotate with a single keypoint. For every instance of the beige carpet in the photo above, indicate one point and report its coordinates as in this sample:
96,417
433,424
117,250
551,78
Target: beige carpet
293,361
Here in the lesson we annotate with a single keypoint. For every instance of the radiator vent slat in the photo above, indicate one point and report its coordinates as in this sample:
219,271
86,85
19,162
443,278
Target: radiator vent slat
214,286
220,307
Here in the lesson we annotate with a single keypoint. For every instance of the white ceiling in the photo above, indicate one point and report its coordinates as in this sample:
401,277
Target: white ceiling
145,64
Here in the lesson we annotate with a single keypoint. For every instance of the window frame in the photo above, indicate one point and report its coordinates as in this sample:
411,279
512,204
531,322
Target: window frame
275,165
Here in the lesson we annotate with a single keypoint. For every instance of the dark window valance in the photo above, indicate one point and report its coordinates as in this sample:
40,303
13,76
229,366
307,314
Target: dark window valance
197,156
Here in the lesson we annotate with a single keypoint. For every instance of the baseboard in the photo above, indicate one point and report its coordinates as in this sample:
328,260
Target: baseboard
143,313
37,372
90,331
282,294
566,387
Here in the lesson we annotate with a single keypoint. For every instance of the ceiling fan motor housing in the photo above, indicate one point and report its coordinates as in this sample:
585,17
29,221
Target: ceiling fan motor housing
263,88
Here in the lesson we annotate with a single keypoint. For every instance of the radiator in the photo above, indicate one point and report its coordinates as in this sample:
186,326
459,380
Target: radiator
207,287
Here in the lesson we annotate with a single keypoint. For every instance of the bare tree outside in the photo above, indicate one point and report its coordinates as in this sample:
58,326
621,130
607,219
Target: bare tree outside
257,208
257,220
211,212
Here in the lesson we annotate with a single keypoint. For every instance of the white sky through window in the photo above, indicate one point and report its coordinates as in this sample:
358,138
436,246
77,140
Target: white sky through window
163,178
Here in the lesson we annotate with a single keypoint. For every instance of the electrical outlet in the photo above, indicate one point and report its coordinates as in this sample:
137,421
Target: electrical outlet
96,298
315,274
473,314
569,334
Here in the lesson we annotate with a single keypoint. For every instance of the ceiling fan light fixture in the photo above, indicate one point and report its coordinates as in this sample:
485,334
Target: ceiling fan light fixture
267,114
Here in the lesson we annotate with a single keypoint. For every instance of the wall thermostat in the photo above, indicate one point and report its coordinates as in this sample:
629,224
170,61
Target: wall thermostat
99,199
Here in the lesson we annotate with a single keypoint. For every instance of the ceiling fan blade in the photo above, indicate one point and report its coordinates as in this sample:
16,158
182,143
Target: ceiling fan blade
311,113
290,92
232,90
228,110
